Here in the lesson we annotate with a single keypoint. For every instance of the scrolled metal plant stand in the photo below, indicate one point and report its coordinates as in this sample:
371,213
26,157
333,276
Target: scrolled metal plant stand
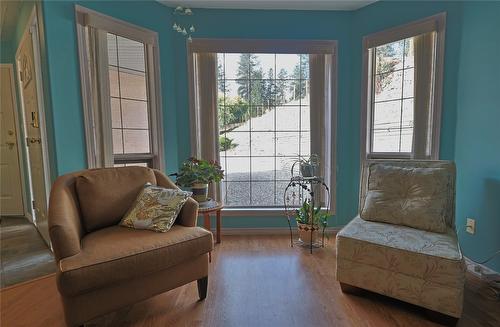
305,184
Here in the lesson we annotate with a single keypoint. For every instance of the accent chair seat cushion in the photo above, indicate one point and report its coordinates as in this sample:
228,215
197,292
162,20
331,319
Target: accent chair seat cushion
417,266
116,254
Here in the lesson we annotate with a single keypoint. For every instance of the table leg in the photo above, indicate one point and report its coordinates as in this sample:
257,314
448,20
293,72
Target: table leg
218,226
207,221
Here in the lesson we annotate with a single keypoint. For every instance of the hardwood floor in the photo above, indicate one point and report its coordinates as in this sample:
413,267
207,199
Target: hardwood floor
253,281
24,255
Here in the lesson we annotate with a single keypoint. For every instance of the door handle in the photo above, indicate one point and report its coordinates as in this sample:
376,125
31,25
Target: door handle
33,140
10,145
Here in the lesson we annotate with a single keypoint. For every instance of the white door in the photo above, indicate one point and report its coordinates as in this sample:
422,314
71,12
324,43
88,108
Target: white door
30,102
11,190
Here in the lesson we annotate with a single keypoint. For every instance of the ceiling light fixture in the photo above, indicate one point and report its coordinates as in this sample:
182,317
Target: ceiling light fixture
181,11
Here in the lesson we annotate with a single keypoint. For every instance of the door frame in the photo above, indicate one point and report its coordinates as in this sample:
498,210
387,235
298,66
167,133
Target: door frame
19,139
33,27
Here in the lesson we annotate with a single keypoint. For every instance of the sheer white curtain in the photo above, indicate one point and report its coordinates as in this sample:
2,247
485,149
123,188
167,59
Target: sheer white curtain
423,63
322,120
204,123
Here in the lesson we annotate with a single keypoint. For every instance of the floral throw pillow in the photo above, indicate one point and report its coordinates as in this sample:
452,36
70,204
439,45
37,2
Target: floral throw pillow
414,197
156,208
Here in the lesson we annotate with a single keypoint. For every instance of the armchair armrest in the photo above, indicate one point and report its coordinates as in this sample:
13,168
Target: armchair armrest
189,212
65,226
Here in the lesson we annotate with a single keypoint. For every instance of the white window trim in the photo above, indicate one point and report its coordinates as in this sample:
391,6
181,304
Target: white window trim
32,30
84,17
270,46
435,23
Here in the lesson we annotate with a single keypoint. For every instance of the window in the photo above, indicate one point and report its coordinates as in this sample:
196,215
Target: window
254,107
264,124
401,103
119,79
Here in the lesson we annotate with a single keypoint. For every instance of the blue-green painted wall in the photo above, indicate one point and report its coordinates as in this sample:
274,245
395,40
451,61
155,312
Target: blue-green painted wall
477,151
6,52
346,27
64,71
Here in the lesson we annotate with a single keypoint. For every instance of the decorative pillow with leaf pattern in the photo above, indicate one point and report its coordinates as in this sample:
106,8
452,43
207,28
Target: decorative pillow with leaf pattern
156,208
414,197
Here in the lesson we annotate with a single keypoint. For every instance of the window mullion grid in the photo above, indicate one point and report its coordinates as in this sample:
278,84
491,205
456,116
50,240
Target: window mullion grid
225,113
402,96
372,97
249,95
300,112
275,135
300,105
119,93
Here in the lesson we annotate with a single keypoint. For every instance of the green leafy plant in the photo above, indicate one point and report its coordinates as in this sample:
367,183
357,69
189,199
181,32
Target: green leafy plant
225,143
303,215
201,171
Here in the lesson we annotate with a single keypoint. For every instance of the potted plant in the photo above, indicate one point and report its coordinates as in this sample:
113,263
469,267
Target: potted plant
308,166
197,174
308,217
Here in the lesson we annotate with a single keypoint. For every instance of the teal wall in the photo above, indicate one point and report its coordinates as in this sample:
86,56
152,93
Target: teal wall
59,18
477,151
475,174
6,52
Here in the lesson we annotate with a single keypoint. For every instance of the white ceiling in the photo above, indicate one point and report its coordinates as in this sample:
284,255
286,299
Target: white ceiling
271,4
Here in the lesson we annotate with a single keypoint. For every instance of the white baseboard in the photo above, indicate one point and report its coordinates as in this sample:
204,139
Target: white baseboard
483,270
267,231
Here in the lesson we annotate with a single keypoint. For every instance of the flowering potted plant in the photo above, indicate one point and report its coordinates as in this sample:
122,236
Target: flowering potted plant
197,174
308,217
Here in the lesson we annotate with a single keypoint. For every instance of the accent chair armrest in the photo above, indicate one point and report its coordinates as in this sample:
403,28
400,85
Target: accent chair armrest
65,227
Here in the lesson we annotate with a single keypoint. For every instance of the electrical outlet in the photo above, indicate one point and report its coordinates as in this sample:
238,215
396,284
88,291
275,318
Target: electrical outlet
470,226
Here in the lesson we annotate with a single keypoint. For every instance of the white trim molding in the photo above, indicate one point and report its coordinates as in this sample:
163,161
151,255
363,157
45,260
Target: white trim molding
437,24
483,270
32,31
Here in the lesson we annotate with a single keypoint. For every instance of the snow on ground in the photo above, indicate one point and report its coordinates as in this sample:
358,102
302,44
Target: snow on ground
265,142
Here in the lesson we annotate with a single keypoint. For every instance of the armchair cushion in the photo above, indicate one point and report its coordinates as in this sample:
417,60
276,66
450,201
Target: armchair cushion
420,267
106,194
156,208
115,254
414,197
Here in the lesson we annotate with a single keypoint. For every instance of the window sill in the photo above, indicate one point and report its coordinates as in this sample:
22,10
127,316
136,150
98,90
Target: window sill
254,212
257,212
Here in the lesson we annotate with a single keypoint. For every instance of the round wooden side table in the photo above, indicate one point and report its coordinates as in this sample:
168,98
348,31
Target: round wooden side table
206,214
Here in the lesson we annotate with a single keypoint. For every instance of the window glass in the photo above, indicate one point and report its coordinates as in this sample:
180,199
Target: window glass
263,112
392,102
129,99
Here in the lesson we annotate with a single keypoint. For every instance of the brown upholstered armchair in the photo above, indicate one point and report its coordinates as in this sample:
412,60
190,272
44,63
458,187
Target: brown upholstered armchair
103,266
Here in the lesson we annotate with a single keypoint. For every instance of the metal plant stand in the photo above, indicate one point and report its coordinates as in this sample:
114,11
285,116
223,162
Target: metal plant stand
301,188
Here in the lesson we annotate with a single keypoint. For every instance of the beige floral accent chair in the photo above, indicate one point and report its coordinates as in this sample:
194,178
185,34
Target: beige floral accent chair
405,260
